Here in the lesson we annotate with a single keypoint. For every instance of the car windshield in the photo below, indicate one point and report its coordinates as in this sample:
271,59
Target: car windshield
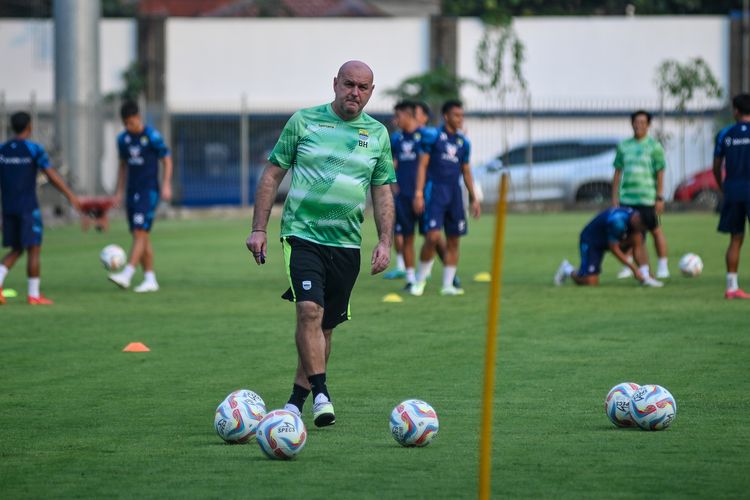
561,151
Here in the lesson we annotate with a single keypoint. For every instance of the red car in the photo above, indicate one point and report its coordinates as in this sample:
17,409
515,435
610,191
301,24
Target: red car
700,190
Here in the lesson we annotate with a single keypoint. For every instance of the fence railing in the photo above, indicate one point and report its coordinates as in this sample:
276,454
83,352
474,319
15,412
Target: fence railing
555,151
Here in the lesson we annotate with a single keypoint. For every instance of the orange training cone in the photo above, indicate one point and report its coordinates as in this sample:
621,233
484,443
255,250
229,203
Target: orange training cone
136,347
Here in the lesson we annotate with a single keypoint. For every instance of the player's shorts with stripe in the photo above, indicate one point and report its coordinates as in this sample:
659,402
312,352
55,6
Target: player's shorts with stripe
648,215
141,209
444,209
591,259
406,219
23,230
733,216
321,274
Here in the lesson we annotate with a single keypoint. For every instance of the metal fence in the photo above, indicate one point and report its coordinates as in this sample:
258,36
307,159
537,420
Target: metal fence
555,151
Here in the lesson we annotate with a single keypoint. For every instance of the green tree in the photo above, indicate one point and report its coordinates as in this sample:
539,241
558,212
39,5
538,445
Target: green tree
679,84
433,87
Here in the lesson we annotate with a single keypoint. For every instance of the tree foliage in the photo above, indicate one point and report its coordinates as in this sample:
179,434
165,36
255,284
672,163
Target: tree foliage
490,10
684,81
433,87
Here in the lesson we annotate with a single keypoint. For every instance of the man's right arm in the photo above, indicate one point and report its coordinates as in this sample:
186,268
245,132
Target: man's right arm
121,174
268,186
616,188
718,161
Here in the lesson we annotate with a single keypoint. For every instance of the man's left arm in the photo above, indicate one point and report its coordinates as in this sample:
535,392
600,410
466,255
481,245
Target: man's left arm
659,204
166,181
384,212
469,182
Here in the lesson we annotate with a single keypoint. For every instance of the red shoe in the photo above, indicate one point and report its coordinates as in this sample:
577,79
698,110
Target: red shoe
2,297
44,301
736,294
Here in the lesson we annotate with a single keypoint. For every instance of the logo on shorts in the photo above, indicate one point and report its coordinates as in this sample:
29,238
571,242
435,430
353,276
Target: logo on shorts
461,225
592,269
306,285
139,218
433,223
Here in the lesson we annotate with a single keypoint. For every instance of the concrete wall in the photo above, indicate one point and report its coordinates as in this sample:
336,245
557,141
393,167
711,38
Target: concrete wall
578,59
284,64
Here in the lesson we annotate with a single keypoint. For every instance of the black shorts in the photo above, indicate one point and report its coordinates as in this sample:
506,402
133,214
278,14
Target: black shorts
733,217
321,274
648,216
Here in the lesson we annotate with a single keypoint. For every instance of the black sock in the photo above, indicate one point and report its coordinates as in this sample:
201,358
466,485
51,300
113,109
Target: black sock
318,384
299,394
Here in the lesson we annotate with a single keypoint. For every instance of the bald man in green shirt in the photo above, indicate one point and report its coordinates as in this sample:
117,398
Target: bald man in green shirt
336,153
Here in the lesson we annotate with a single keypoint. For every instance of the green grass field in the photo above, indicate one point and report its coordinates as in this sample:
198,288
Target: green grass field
80,418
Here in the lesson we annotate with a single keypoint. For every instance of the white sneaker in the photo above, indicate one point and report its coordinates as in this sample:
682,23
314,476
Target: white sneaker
624,273
417,288
120,279
561,275
147,286
651,282
292,409
451,291
662,273
323,414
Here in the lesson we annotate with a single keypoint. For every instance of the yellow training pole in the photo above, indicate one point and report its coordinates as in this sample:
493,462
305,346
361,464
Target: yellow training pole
493,313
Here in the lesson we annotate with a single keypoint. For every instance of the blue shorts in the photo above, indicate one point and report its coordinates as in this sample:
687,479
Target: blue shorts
733,216
444,209
22,230
141,210
591,259
406,219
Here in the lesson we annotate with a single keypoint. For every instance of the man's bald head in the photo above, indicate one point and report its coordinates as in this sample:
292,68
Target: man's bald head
352,87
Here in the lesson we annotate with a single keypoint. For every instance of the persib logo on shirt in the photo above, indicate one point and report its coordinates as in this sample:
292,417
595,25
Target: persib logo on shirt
364,136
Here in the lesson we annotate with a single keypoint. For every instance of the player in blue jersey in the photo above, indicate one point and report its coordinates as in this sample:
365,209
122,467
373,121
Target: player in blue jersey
439,199
405,144
617,229
733,149
140,148
20,161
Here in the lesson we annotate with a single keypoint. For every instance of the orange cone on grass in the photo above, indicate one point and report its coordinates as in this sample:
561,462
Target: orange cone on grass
136,347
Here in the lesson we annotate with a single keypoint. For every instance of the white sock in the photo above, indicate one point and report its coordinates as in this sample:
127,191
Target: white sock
732,284
3,274
449,272
34,288
425,268
149,276
411,276
662,263
128,271
400,265
644,270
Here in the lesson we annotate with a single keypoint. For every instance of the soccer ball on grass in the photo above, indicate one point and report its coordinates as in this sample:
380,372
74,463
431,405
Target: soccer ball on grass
113,257
617,404
281,435
653,408
237,417
413,423
691,265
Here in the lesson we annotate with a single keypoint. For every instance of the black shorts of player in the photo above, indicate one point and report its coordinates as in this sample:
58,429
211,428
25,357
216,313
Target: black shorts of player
321,274
648,216
733,216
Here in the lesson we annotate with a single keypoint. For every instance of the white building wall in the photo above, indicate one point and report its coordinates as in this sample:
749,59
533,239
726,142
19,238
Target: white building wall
286,64
27,57
579,59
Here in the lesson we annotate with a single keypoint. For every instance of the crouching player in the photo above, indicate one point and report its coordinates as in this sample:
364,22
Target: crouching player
616,229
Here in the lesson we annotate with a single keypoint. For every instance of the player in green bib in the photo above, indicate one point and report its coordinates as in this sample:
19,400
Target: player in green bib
639,183
336,153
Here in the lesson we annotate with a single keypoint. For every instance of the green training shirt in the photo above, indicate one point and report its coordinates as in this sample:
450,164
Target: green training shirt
333,164
639,162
